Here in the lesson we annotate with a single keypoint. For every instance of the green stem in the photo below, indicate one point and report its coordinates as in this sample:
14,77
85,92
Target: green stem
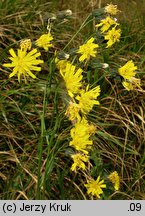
40,147
81,27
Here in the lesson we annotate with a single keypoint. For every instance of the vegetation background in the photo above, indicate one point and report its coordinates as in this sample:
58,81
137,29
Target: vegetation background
34,133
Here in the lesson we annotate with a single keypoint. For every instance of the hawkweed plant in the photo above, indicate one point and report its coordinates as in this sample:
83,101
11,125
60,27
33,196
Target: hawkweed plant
79,96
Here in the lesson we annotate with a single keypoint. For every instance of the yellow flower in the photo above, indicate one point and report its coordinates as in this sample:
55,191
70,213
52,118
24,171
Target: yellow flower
95,187
82,144
79,160
106,24
25,44
87,50
87,99
81,128
23,63
128,73
128,70
135,82
61,65
132,84
114,178
112,36
92,129
72,78
111,9
44,41
127,85
72,112
80,135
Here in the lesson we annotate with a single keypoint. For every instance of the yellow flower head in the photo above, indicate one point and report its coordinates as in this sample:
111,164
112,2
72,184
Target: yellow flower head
128,70
72,78
44,41
80,134
25,44
95,187
81,128
79,160
128,73
127,85
114,178
136,83
87,99
82,144
23,63
61,65
131,84
92,129
111,9
72,112
87,50
112,36
106,24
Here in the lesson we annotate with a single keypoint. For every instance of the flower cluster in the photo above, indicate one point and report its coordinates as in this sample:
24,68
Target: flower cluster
108,26
81,103
25,61
82,98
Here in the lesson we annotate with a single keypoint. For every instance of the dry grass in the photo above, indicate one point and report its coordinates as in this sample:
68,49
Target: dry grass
32,117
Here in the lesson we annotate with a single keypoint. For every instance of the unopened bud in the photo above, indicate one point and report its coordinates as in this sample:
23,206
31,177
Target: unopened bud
68,12
66,56
105,65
